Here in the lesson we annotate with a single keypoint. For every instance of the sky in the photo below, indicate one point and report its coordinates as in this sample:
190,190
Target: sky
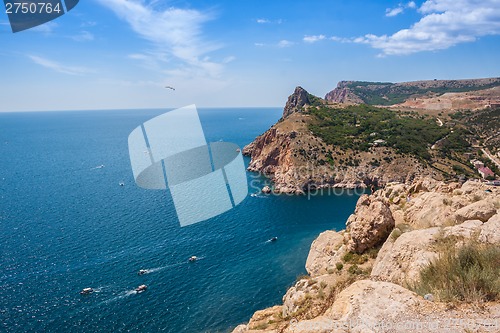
120,54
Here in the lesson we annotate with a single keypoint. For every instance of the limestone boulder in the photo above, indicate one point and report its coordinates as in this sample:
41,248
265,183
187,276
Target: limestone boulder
370,224
481,210
401,260
326,250
490,231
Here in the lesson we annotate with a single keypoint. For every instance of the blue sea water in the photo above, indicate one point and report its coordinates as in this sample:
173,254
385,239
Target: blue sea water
66,224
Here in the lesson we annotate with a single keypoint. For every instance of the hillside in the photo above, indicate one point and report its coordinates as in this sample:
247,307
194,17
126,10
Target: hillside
416,93
319,144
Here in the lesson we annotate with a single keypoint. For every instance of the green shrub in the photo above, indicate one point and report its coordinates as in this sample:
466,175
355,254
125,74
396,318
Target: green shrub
303,277
355,270
350,128
339,266
261,327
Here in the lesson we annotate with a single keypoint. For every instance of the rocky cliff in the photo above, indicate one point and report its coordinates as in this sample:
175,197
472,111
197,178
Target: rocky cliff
296,102
431,94
370,277
298,161
343,94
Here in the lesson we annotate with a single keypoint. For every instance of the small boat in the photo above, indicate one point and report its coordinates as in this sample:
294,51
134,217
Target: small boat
238,150
193,259
121,183
87,291
142,272
274,239
141,288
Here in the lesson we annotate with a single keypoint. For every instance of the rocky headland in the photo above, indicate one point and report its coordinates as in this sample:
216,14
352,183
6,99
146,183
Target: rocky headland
321,144
294,158
421,253
385,271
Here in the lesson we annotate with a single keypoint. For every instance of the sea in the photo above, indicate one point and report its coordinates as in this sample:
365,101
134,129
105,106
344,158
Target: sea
66,224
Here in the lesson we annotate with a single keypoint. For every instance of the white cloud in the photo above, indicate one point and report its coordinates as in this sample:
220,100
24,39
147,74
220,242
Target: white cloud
58,67
88,24
83,36
390,12
445,23
341,39
229,59
285,43
314,38
268,21
259,44
174,31
394,11
46,28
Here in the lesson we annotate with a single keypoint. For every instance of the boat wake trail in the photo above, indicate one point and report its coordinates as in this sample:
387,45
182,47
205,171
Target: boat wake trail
161,268
260,196
120,296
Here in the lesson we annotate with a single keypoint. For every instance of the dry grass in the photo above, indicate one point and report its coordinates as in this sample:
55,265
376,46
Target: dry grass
469,274
396,232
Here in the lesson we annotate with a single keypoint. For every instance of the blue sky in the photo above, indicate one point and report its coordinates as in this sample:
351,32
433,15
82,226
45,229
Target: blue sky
121,53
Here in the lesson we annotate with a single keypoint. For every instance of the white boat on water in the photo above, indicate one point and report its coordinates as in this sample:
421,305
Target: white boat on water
141,288
87,291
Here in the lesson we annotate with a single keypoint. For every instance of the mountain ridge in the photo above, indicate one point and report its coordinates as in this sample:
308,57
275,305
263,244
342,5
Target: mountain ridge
388,93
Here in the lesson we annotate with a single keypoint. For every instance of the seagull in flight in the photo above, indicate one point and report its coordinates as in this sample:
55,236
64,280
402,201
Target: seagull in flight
169,87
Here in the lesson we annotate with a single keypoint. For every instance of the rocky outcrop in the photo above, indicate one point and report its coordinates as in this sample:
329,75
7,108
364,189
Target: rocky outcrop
402,259
326,251
481,210
373,306
266,190
490,231
370,224
343,94
310,294
299,162
349,292
296,102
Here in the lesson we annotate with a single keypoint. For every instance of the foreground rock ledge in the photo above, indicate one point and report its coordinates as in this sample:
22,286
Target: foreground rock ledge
358,277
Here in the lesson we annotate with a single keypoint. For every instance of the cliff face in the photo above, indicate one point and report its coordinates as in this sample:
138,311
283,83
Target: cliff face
430,95
359,277
343,94
296,101
297,161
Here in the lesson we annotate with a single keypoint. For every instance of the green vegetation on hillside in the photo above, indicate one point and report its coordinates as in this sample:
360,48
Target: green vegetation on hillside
314,100
359,126
380,93
456,141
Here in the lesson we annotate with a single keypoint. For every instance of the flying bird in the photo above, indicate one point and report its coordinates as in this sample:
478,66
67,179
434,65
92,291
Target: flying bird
169,87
